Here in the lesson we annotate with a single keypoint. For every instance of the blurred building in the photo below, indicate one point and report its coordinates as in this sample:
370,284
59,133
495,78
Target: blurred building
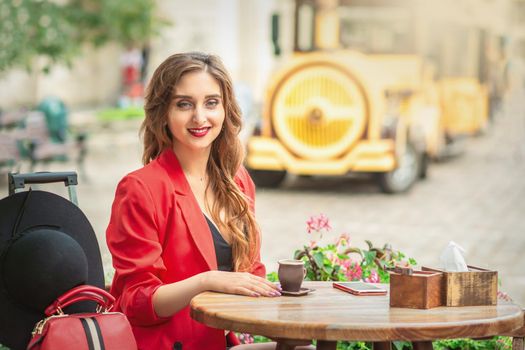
450,32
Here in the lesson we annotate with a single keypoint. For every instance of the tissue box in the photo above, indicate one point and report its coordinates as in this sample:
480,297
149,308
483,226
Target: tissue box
421,290
476,287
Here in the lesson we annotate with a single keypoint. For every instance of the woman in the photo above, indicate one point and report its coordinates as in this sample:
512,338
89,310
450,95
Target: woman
184,223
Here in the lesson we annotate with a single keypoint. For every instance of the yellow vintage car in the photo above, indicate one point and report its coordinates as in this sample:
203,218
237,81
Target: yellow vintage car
331,114
334,108
464,104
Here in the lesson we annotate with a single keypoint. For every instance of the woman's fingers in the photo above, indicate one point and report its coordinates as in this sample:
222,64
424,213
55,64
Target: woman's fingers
265,281
266,287
255,290
247,291
246,284
265,290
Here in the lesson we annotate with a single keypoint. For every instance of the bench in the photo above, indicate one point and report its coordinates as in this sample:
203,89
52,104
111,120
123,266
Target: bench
39,147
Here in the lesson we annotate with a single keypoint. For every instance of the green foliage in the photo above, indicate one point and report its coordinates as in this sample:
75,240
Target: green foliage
498,343
342,262
339,261
356,345
56,30
29,28
120,113
272,277
129,22
261,339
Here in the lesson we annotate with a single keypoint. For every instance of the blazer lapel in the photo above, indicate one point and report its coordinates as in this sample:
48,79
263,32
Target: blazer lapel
195,220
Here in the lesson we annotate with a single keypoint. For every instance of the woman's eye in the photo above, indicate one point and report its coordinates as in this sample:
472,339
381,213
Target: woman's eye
184,105
212,103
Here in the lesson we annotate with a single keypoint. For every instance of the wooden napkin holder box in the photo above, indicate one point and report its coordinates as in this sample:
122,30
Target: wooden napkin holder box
420,290
472,288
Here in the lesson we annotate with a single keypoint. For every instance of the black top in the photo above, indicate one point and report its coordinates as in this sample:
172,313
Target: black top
223,250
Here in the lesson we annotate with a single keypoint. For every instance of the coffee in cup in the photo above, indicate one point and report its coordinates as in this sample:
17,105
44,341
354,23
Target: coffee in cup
291,274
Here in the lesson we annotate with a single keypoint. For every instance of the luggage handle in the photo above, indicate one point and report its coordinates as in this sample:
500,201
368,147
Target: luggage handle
18,181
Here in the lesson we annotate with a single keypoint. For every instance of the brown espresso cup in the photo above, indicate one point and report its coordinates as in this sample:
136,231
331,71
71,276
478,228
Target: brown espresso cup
291,274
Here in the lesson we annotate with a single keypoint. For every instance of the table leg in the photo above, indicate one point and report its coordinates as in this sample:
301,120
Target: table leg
422,345
326,345
382,345
517,343
289,344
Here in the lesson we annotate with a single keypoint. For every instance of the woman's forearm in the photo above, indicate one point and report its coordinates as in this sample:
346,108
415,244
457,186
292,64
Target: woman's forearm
171,298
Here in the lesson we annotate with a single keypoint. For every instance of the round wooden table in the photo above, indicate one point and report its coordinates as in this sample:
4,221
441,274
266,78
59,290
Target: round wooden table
329,315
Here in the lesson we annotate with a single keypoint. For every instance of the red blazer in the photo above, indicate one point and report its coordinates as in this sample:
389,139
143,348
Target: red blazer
157,235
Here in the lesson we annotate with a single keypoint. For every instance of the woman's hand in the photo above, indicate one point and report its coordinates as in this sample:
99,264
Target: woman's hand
242,283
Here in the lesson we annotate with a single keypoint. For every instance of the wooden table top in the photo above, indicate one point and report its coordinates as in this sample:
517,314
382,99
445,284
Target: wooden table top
331,314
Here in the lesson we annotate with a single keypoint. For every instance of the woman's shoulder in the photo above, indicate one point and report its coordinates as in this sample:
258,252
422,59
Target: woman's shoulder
152,176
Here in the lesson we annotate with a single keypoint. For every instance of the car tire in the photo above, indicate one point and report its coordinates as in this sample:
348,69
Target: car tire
405,175
267,178
423,165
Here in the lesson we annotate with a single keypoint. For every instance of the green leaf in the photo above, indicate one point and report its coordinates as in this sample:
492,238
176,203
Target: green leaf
318,258
369,257
272,277
384,276
342,256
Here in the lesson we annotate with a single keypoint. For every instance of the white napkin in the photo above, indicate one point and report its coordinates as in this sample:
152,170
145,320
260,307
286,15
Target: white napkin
452,258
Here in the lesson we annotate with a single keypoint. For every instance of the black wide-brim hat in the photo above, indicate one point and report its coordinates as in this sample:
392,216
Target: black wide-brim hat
47,246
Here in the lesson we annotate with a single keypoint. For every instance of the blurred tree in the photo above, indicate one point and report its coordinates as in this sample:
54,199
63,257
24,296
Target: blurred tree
56,30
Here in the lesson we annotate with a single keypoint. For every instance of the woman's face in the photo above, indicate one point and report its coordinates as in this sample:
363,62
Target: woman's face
196,113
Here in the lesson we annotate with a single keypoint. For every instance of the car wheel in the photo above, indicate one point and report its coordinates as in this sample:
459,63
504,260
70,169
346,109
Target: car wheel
423,165
267,178
405,175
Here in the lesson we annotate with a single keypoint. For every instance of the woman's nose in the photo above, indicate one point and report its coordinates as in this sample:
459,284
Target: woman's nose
199,115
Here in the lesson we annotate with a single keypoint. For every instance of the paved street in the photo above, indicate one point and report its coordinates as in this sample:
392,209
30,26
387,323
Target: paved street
476,200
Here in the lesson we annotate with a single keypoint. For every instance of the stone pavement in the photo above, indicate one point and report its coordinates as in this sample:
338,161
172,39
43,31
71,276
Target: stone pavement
476,199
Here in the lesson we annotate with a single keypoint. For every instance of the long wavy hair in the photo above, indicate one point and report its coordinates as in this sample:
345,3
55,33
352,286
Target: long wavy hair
226,151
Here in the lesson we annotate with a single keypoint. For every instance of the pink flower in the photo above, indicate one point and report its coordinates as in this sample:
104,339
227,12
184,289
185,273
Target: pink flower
346,263
318,223
373,278
354,271
312,244
504,296
324,222
245,338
